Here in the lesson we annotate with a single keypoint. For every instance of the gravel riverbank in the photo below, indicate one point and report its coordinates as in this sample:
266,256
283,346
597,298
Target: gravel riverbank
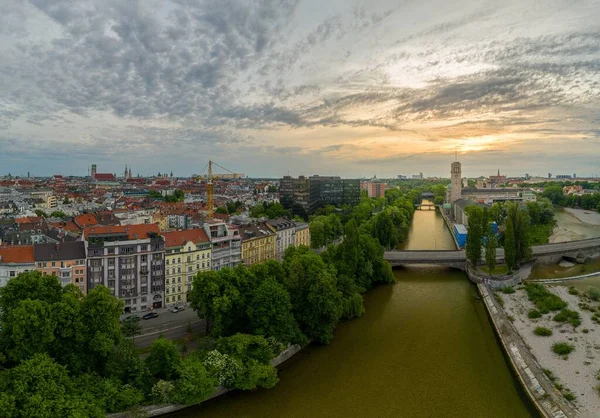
578,372
586,216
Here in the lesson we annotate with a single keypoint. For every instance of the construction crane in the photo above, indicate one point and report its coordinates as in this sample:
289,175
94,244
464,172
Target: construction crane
210,196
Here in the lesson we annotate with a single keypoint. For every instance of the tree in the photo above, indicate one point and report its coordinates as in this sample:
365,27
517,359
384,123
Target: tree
490,250
40,387
509,245
131,327
554,193
475,235
41,213
317,304
163,361
194,384
154,194
254,356
222,210
58,214
270,313
521,226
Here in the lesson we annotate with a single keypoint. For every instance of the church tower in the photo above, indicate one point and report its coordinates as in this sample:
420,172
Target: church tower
456,182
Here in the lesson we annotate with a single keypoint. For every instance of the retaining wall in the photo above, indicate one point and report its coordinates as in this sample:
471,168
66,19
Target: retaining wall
496,282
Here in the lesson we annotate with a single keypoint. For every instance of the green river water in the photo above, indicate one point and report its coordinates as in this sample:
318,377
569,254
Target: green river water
424,348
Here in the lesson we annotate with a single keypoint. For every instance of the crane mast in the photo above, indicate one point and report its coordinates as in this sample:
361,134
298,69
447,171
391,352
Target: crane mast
209,193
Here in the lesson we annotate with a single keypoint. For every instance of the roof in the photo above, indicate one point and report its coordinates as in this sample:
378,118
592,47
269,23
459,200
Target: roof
470,190
105,177
28,220
463,203
17,254
301,226
87,219
179,238
63,251
281,223
253,231
139,231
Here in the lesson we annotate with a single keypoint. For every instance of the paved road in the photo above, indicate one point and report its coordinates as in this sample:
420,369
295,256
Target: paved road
166,319
172,333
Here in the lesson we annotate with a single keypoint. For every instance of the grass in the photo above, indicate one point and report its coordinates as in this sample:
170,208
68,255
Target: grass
499,299
573,290
534,313
508,290
585,330
593,293
544,300
562,348
550,375
567,315
540,233
498,270
569,396
542,331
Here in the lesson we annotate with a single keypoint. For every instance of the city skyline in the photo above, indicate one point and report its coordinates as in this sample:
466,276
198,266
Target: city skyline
271,87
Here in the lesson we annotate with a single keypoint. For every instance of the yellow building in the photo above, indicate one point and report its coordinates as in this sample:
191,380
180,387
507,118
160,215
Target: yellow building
187,253
302,236
160,219
258,243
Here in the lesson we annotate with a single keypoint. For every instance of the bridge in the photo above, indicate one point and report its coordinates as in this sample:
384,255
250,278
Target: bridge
430,206
458,259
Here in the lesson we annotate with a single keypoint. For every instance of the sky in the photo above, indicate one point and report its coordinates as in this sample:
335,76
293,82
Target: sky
274,87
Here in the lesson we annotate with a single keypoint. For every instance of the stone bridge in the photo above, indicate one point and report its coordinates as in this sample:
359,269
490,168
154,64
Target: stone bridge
458,259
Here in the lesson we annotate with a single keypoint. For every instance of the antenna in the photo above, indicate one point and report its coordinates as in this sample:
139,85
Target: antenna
455,156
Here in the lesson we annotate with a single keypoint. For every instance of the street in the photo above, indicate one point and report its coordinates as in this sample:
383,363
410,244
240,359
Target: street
173,333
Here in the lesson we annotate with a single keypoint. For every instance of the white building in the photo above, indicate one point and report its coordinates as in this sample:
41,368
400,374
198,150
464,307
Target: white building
286,231
14,260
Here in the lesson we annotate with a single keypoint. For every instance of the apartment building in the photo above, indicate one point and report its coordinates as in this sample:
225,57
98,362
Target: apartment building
286,232
258,243
15,259
130,261
65,260
302,235
187,253
226,244
316,191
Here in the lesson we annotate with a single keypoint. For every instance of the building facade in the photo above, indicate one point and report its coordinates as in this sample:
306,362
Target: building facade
295,193
317,191
65,260
226,244
186,253
258,243
15,259
130,261
302,235
376,189
455,182
285,231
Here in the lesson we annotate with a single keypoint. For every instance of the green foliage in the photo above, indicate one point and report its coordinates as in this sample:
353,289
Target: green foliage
254,354
499,299
223,368
593,293
164,359
353,306
510,245
194,383
58,214
534,313
177,196
130,327
475,235
573,290
567,315
542,331
269,210
490,250
222,210
549,374
569,396
554,193
155,194
508,290
270,313
562,348
41,213
324,230
544,300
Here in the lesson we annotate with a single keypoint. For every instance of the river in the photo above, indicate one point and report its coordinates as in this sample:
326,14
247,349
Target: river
424,348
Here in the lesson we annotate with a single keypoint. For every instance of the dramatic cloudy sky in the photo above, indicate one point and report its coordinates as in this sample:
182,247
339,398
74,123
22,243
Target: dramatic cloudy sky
267,87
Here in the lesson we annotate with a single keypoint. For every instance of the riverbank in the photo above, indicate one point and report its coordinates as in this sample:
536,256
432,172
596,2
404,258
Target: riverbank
589,217
531,376
575,372
575,224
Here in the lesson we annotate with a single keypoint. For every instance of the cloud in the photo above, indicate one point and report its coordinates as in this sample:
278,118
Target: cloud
112,79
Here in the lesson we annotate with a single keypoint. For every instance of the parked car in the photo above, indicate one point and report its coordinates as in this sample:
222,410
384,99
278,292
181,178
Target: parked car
150,315
176,309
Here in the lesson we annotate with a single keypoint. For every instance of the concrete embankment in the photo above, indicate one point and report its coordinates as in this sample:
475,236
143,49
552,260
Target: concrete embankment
538,387
450,227
566,279
158,410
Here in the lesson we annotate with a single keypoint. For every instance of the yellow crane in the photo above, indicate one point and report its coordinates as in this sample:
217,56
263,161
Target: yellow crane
210,196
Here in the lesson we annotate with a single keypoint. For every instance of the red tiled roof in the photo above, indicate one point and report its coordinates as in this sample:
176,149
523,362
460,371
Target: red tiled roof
16,254
179,238
139,231
105,177
85,220
28,220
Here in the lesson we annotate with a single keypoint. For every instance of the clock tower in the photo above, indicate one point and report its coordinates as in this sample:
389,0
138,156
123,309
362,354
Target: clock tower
456,182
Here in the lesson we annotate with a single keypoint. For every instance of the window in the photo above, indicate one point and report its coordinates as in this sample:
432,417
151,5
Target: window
179,280
167,298
167,281
12,273
167,261
53,264
178,297
178,269
143,299
189,258
178,260
144,258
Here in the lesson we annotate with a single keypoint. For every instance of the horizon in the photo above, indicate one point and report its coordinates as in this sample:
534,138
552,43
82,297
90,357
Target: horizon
271,87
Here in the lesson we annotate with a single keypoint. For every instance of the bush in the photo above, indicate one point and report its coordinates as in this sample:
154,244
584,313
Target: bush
550,375
508,290
562,348
543,299
585,330
567,315
573,290
534,313
593,293
568,395
542,332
